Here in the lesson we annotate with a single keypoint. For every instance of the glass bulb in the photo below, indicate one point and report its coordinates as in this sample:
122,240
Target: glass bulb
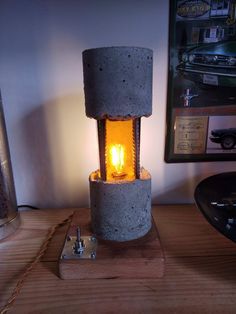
117,156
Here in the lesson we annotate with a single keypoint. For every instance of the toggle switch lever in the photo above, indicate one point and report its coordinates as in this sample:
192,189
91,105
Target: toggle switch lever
79,243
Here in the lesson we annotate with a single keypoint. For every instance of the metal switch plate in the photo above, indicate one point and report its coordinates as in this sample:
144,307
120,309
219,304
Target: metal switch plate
89,248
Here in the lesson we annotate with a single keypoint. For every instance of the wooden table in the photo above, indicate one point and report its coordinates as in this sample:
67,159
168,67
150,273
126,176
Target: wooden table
200,275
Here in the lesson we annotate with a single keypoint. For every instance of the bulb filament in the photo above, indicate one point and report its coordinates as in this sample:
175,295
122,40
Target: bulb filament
117,153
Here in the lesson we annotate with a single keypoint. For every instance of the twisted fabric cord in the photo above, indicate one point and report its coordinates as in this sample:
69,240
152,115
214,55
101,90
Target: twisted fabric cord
32,265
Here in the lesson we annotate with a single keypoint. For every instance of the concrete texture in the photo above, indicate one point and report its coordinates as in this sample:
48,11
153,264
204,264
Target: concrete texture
120,211
118,82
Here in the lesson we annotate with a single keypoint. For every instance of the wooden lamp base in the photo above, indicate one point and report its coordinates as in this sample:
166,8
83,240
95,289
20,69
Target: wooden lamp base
141,258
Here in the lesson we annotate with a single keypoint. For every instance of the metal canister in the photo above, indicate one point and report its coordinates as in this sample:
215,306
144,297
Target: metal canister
9,216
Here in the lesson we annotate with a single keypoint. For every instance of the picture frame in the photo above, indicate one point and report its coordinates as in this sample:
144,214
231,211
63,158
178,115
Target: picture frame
201,98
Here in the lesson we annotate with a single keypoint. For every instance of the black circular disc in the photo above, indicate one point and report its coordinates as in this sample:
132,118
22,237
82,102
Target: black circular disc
215,196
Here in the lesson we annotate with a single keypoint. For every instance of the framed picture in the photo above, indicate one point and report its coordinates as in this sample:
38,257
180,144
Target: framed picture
201,102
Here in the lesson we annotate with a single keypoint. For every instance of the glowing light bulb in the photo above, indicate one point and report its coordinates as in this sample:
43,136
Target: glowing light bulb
117,153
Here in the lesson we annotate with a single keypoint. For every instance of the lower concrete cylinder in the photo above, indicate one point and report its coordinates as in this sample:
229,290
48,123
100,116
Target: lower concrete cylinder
120,211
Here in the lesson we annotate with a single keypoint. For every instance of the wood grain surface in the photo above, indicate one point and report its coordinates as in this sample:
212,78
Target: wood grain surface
113,259
200,274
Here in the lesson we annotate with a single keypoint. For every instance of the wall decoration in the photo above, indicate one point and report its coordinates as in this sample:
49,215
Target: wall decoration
201,104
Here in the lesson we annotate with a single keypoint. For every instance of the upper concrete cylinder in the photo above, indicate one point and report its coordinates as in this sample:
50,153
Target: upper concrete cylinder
118,82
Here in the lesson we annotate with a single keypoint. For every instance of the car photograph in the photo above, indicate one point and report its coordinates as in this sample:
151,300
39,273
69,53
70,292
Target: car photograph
201,91
225,137
212,64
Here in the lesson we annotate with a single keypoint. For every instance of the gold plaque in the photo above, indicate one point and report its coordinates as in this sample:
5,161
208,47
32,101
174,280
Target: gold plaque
190,134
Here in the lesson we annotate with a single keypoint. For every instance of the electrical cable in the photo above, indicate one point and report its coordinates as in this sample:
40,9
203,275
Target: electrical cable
27,206
32,265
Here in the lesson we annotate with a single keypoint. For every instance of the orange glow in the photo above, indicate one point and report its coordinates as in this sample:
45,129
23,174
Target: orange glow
120,154
117,158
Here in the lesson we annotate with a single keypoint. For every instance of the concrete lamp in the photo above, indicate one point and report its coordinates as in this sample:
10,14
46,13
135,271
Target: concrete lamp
120,229
118,92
